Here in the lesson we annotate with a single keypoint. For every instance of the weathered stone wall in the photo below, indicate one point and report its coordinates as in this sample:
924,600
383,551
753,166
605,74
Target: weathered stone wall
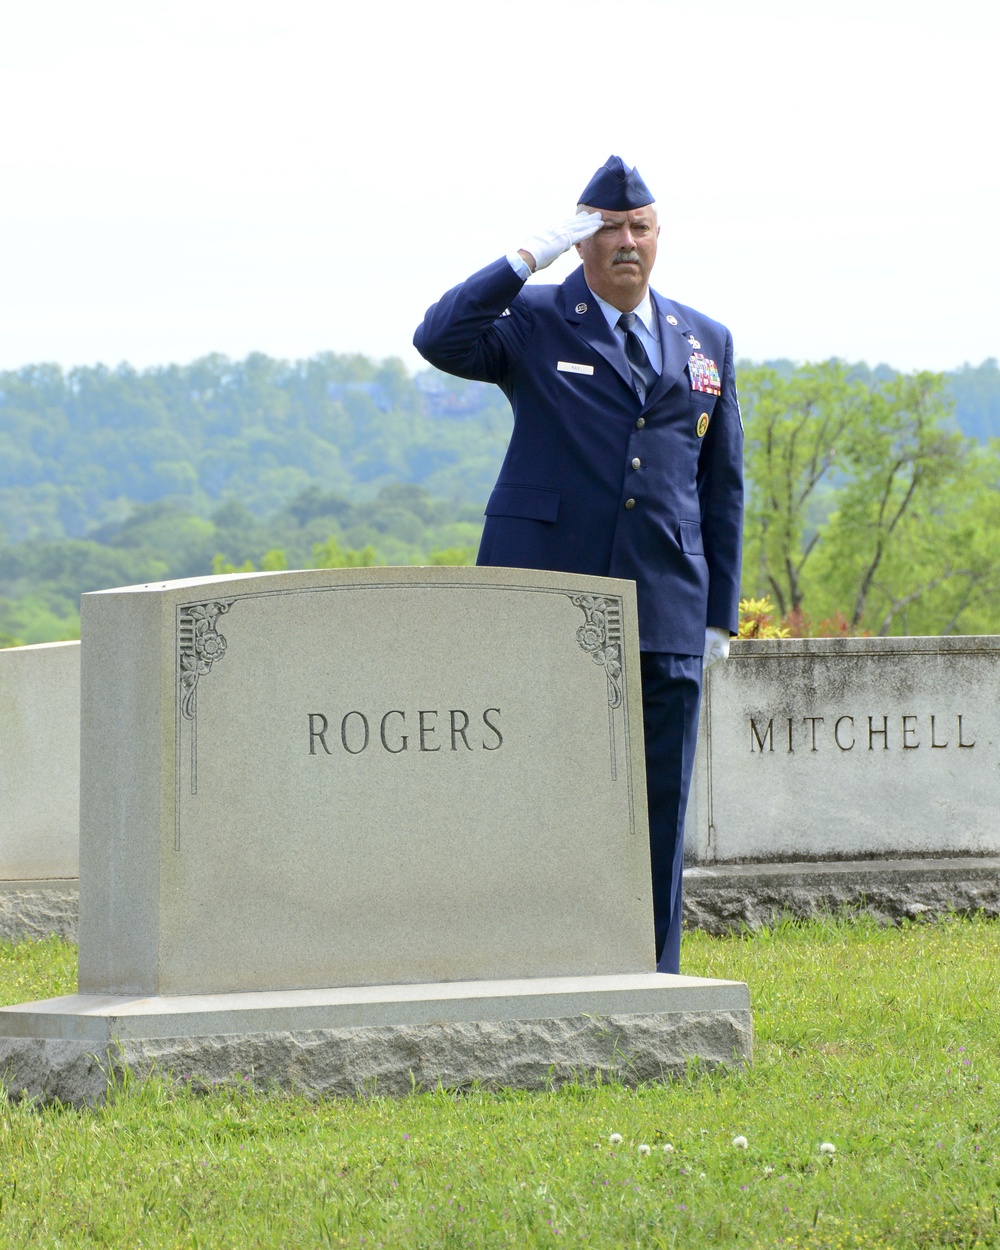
848,749
726,898
35,909
40,762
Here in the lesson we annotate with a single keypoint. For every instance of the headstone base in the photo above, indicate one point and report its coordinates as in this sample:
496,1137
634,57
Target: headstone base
725,898
525,1034
34,909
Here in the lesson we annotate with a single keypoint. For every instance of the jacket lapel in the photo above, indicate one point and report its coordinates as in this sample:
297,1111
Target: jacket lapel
592,325
674,347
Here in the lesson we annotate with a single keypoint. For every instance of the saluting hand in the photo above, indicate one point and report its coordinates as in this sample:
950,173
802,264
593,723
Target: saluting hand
541,250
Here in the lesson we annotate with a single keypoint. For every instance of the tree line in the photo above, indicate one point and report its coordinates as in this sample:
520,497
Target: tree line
872,499
79,450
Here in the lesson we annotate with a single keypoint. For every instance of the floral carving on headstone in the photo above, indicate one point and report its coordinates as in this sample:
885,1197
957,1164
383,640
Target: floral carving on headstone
201,646
600,636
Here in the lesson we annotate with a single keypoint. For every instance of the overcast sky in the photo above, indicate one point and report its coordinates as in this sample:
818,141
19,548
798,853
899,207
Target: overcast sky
292,177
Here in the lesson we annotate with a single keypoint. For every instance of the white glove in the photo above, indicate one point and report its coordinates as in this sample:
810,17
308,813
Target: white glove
716,645
545,247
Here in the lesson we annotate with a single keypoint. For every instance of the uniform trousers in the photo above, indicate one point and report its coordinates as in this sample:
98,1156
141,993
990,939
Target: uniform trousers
671,696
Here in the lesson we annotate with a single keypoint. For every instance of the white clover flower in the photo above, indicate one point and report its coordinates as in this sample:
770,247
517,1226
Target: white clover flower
667,1148
740,1143
643,1148
769,1171
615,1139
827,1148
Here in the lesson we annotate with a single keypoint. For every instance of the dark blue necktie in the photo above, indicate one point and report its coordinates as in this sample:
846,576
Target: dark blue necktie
643,373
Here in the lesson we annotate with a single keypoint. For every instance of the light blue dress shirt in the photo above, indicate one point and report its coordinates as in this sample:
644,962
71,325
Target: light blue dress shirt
645,327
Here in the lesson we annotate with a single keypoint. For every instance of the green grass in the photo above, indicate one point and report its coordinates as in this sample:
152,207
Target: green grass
883,1042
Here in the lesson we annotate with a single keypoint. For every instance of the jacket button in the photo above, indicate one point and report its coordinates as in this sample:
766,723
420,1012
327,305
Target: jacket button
630,504
636,463
640,423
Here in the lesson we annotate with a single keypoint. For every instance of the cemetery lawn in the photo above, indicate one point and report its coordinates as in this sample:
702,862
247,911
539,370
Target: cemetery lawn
883,1043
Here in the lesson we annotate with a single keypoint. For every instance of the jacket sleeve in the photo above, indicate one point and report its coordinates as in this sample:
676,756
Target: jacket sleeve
720,492
478,329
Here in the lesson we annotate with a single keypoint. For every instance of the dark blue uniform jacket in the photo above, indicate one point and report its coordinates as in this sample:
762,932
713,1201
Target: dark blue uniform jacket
593,481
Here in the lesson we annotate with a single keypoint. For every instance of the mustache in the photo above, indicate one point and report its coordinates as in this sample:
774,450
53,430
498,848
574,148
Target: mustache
625,255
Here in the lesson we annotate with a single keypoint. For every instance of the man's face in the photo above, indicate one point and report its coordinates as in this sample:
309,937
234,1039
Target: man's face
617,260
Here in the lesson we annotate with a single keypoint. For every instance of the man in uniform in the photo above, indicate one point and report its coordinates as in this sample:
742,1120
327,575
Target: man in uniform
625,461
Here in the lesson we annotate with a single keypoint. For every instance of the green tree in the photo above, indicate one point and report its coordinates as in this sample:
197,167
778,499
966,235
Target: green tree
864,500
331,555
273,561
919,559
453,556
902,468
797,430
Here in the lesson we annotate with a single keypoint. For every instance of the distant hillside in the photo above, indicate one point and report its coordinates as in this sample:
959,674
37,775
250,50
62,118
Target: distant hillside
79,449
975,390
112,477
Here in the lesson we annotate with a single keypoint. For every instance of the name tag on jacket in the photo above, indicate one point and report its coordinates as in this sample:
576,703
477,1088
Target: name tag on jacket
567,366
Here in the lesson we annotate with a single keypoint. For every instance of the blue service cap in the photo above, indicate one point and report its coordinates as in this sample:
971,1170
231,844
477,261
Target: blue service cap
616,187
